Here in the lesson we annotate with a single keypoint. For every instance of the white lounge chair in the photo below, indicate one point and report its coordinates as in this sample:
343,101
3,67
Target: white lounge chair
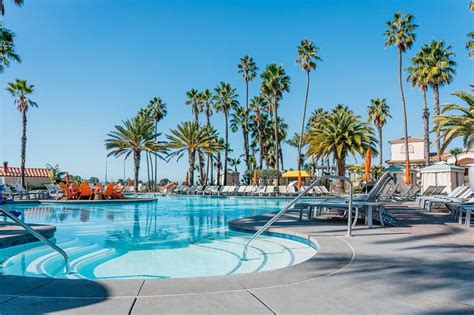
282,191
269,191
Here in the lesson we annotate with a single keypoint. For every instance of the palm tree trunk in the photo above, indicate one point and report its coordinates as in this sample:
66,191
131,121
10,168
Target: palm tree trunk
246,146
341,171
212,169
281,158
226,149
380,146
246,133
147,170
201,169
426,125
151,171
23,148
192,159
300,143
136,169
275,119
437,112
156,158
218,175
260,140
209,160
196,113
405,124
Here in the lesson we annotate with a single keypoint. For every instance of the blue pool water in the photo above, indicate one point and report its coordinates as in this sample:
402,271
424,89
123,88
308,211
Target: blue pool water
173,237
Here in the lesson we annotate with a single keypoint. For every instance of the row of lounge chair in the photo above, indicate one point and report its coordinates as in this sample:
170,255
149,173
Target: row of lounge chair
458,195
249,190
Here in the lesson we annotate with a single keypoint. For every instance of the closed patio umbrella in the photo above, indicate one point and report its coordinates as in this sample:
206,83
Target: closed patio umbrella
300,183
368,162
255,177
67,179
187,179
129,182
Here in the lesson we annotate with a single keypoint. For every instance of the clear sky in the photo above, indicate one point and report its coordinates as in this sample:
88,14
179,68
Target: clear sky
95,63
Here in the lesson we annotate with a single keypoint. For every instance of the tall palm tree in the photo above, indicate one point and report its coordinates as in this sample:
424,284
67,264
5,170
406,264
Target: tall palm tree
340,133
417,76
401,34
133,137
258,106
379,112
307,57
440,69
225,100
234,162
17,2
239,119
7,48
206,99
470,43
457,126
191,138
193,100
145,114
275,81
20,91
248,68
158,111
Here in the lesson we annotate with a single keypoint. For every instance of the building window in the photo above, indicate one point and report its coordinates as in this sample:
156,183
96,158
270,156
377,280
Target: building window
411,149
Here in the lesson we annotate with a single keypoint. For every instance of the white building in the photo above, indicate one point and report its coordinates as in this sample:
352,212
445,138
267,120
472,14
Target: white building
415,150
464,159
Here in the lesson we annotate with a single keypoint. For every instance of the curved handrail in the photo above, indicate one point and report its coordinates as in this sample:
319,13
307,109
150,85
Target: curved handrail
293,202
37,235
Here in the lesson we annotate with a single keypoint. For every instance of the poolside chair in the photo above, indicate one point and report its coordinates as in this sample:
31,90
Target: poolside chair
191,190
6,195
461,196
282,191
259,190
240,190
317,191
292,190
22,192
421,200
325,191
269,191
111,193
54,191
85,191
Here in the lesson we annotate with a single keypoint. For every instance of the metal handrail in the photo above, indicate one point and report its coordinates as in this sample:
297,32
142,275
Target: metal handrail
37,235
293,202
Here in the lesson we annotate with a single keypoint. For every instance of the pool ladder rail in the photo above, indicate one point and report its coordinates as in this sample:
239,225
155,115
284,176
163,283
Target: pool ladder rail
294,201
38,235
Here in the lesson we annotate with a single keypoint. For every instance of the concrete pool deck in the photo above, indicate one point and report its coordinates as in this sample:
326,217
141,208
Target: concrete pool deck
425,265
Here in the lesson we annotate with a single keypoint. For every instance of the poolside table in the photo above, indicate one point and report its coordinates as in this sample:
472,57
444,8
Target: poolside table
369,216
469,210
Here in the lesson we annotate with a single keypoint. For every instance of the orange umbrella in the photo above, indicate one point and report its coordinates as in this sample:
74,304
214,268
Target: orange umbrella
129,182
407,173
368,162
255,177
300,183
67,179
187,179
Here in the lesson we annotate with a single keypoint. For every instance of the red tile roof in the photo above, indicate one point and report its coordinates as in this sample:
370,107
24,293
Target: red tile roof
29,172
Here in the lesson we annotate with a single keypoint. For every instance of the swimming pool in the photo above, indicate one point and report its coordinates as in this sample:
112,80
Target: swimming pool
173,237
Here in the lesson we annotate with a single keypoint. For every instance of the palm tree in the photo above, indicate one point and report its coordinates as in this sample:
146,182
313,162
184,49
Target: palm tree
258,106
274,83
191,138
457,126
55,173
7,48
340,133
134,136
401,33
193,100
248,68
417,75
2,6
20,90
206,99
158,111
234,162
307,57
295,142
470,43
440,69
239,120
379,112
455,152
225,100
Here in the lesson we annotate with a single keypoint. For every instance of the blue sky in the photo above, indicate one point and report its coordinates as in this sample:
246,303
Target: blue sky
95,63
